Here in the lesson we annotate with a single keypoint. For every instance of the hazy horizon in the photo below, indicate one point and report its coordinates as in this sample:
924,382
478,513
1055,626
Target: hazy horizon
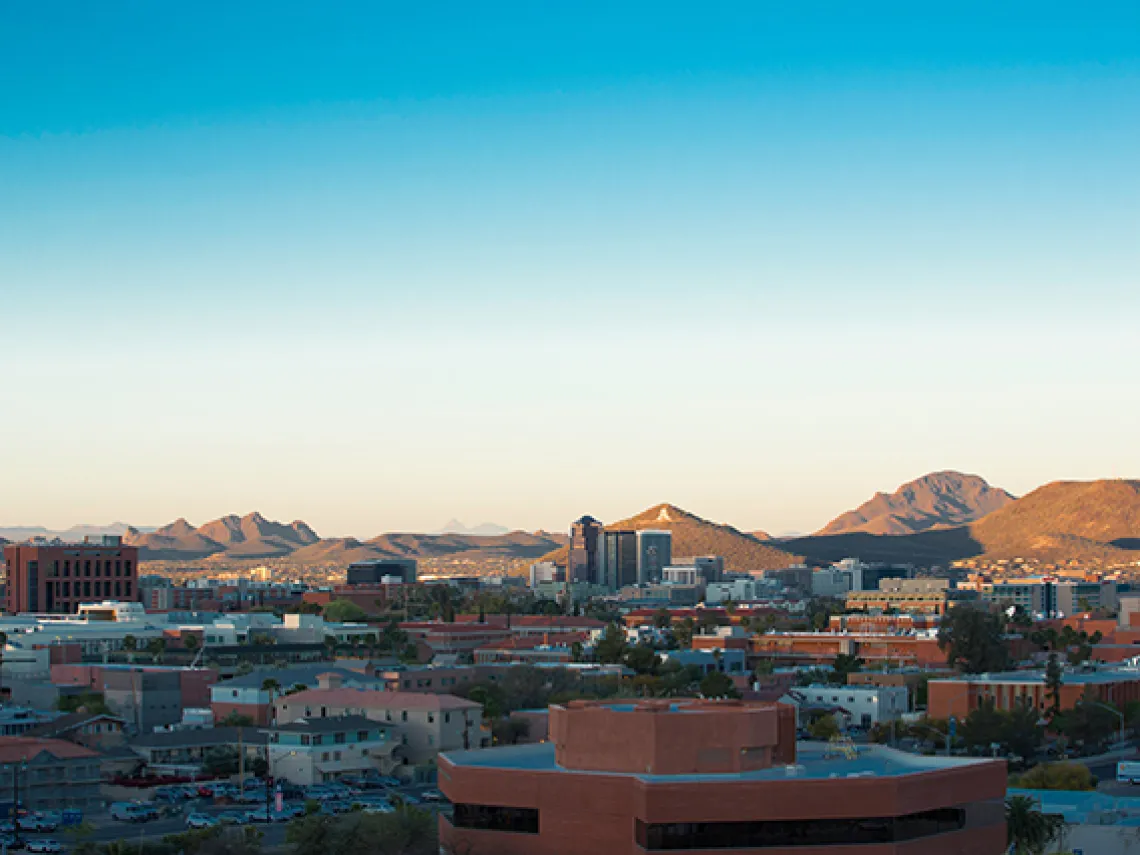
380,267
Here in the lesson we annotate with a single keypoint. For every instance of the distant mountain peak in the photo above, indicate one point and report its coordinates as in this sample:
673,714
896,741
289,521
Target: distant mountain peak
487,529
937,500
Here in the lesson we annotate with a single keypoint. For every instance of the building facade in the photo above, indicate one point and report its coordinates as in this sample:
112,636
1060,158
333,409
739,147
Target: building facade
382,571
58,775
706,776
583,562
424,723
654,554
54,578
619,558
313,751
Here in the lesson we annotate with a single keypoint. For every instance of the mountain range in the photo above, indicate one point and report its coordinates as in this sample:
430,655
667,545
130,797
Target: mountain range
932,520
454,526
935,501
73,534
1062,521
254,537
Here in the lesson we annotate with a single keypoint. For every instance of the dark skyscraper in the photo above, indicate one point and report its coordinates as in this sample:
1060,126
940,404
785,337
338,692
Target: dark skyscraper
619,559
584,562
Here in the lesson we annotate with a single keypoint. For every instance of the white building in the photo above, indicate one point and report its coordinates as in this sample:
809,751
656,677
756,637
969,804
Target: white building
860,706
738,590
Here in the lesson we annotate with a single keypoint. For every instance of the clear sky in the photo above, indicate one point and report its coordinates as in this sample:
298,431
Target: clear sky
376,265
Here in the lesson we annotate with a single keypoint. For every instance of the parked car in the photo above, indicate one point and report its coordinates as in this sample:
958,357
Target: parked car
44,844
252,796
38,823
261,815
234,817
432,796
200,820
133,812
8,841
379,807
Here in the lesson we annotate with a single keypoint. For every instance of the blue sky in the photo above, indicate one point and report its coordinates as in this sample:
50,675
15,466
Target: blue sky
378,265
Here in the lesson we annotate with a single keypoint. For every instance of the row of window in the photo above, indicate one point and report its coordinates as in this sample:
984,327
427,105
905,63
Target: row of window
815,832
64,590
84,568
738,835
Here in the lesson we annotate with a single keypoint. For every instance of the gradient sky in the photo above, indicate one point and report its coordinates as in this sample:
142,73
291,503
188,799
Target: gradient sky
377,265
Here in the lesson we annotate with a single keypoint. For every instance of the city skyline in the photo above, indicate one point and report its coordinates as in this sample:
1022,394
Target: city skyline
379,270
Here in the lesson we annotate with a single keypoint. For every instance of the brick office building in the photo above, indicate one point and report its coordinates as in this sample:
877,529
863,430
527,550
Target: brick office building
708,776
54,578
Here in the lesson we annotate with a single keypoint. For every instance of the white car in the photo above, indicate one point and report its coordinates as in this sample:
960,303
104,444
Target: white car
379,808
200,820
37,823
43,844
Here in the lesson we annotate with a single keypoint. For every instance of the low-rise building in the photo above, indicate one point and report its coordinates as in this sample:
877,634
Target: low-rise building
252,695
533,650
959,696
182,752
425,723
634,777
315,750
912,596
58,774
94,730
861,706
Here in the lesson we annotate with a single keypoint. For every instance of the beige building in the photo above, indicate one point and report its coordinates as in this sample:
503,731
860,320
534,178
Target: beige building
317,750
423,724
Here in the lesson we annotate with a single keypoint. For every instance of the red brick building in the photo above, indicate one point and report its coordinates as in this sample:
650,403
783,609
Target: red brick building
56,578
709,776
961,695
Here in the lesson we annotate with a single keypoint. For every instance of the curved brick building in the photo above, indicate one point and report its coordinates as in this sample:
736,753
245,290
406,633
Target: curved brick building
710,777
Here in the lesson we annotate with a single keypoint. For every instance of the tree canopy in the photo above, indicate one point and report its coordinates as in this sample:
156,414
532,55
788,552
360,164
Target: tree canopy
974,640
342,611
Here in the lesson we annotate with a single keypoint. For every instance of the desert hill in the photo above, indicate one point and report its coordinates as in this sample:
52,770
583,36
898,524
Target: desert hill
1062,521
693,535
935,501
255,537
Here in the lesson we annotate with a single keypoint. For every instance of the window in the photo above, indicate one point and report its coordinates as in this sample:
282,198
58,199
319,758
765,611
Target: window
362,736
447,718
336,756
324,757
404,715
66,569
431,718
491,818
318,740
431,740
816,832
338,738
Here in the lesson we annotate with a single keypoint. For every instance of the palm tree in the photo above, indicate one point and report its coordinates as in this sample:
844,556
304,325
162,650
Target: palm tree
1028,831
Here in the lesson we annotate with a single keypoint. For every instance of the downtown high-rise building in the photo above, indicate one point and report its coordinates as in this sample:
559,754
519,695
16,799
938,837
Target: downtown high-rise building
619,558
584,562
654,554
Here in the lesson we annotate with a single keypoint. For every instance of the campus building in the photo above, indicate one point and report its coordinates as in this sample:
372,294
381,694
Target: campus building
54,578
1008,689
709,776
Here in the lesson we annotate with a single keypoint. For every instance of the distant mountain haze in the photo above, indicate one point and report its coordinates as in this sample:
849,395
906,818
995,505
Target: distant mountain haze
487,529
934,501
75,533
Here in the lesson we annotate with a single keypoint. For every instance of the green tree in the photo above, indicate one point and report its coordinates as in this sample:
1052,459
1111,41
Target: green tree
156,647
844,665
662,618
491,698
130,642
1071,777
344,611
406,831
510,731
717,684
611,647
823,727
190,642
1028,831
974,640
1054,679
220,761
643,659
92,702
236,719
683,632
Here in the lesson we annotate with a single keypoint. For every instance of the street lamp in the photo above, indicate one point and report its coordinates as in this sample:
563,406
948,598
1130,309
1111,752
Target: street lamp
1112,710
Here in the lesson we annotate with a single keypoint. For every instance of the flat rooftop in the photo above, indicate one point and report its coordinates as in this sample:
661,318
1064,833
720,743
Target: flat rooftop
814,761
1033,676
